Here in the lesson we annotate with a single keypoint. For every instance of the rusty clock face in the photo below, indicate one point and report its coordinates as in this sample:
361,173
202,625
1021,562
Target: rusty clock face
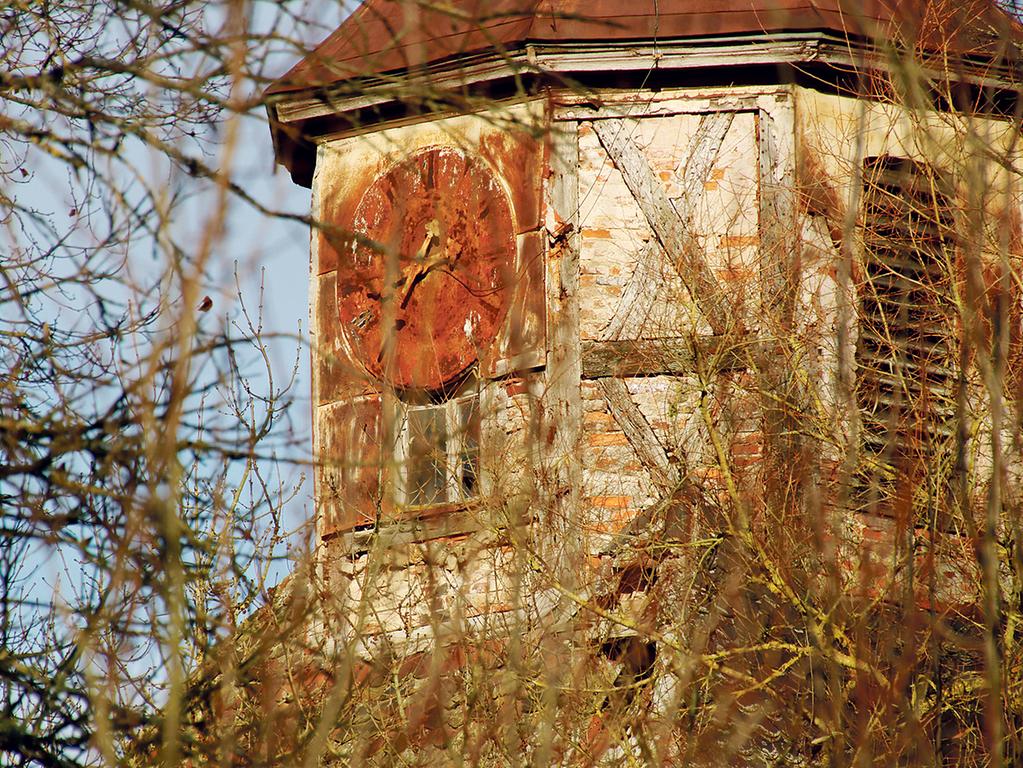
428,280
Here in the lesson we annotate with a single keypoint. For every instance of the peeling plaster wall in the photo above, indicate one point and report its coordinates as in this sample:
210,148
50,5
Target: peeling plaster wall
633,289
764,213
620,258
414,578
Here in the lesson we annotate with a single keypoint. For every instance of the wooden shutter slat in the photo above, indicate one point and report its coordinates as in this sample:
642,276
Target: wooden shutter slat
906,377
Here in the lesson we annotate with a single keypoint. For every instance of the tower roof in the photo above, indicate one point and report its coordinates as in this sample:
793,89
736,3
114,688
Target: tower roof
384,40
393,35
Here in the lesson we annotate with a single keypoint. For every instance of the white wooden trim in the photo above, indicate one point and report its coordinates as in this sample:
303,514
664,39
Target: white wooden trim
783,48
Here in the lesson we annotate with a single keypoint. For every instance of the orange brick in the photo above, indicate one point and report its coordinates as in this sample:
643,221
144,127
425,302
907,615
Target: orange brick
717,174
598,419
611,502
746,448
872,534
738,241
620,518
598,234
732,275
609,438
710,185
516,387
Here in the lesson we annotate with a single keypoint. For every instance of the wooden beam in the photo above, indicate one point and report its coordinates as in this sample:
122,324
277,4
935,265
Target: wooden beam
640,435
618,105
700,156
456,520
637,298
787,465
777,221
559,422
670,227
659,357
641,288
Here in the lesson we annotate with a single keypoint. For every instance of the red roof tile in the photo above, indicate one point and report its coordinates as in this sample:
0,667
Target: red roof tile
385,36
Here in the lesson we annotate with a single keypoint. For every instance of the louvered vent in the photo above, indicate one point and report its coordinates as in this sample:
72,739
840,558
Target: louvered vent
904,356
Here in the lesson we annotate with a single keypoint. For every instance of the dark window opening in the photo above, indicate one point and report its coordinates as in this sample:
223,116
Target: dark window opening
636,658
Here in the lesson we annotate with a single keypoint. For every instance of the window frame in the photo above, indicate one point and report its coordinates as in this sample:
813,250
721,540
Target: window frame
457,446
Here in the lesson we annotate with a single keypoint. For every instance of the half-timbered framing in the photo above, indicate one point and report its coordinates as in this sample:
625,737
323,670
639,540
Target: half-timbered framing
672,413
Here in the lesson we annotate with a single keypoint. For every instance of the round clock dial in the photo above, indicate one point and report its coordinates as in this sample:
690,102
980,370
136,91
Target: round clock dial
428,280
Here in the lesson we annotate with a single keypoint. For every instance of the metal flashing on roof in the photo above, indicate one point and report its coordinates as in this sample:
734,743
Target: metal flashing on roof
403,35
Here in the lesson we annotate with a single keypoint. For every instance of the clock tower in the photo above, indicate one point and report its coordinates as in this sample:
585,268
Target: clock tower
636,351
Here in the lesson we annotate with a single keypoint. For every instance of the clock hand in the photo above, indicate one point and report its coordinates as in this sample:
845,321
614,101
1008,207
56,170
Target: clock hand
424,263
432,236
422,271
417,260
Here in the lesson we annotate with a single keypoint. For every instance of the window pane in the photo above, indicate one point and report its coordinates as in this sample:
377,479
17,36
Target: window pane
439,450
469,447
426,460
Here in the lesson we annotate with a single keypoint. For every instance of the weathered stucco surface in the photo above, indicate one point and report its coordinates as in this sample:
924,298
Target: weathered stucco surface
763,204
